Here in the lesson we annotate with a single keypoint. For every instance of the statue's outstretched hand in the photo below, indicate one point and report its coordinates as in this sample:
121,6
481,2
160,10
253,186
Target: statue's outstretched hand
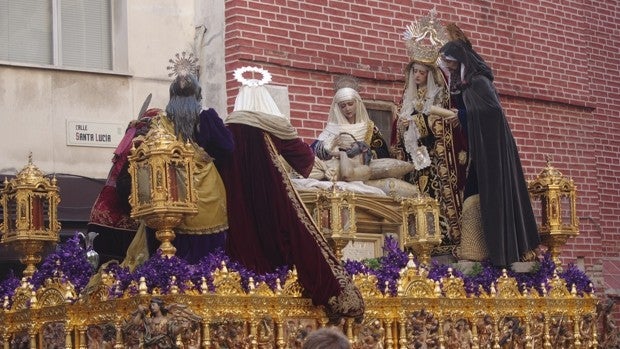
452,120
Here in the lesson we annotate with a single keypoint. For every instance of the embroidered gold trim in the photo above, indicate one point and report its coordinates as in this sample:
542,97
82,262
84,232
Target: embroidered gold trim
212,230
421,124
450,200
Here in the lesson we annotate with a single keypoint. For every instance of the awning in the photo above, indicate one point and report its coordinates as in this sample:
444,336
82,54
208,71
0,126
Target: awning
77,195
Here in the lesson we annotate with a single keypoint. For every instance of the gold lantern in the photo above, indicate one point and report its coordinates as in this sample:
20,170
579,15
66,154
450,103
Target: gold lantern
420,229
556,196
162,181
335,215
29,205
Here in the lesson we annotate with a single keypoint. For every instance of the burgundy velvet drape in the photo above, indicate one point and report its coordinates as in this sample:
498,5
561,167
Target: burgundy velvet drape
268,225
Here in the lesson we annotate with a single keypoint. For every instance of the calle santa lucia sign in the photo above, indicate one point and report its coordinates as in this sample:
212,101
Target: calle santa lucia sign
94,134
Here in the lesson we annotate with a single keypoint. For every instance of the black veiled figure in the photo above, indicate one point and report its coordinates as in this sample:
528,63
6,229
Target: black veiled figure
495,171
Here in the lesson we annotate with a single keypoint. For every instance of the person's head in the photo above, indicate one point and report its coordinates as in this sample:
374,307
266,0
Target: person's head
326,338
450,63
420,74
186,85
184,106
256,99
425,86
458,55
156,306
348,107
253,95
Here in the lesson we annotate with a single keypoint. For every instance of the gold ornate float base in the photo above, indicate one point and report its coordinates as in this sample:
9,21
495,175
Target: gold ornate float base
424,314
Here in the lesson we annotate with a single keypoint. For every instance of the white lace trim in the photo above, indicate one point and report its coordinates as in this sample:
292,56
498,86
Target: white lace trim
419,154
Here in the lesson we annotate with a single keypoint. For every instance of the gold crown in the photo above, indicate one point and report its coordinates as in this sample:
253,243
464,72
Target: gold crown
424,38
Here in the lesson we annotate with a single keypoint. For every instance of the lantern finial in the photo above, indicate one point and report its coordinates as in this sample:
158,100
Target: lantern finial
420,226
554,196
29,205
162,172
336,217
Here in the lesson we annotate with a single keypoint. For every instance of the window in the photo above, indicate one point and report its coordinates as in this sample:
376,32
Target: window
76,34
382,114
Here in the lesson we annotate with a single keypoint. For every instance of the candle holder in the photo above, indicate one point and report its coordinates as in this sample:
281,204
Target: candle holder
162,181
557,201
335,215
420,228
29,206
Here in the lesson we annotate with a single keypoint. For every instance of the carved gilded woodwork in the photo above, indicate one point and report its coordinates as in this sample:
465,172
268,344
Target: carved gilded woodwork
423,313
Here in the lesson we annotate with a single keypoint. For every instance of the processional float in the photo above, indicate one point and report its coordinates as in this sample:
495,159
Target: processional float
422,303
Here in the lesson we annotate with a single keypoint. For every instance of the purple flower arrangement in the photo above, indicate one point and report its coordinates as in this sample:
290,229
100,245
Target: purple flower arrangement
123,278
8,287
69,262
159,270
386,268
574,276
479,279
208,264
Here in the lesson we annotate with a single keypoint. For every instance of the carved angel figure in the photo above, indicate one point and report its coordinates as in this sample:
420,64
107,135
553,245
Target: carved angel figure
164,328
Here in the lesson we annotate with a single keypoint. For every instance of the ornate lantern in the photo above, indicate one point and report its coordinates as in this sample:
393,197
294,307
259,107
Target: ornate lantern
556,195
335,215
420,229
29,205
162,182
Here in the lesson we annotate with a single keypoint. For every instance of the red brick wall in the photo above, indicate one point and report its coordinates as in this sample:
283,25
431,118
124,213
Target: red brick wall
604,74
557,67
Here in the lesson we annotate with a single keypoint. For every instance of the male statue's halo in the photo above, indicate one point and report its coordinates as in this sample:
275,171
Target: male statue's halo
252,82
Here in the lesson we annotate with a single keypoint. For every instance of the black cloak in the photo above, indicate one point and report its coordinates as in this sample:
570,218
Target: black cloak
495,170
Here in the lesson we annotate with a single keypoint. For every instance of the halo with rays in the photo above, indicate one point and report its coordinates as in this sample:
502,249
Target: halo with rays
183,64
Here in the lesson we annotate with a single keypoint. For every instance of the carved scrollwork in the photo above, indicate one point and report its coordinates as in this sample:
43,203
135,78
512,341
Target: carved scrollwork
560,331
371,334
101,336
296,330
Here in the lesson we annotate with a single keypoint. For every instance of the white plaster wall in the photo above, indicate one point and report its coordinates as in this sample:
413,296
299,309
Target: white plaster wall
209,43
36,102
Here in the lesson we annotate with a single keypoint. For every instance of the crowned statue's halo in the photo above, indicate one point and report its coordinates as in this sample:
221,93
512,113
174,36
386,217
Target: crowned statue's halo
424,37
266,76
183,64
